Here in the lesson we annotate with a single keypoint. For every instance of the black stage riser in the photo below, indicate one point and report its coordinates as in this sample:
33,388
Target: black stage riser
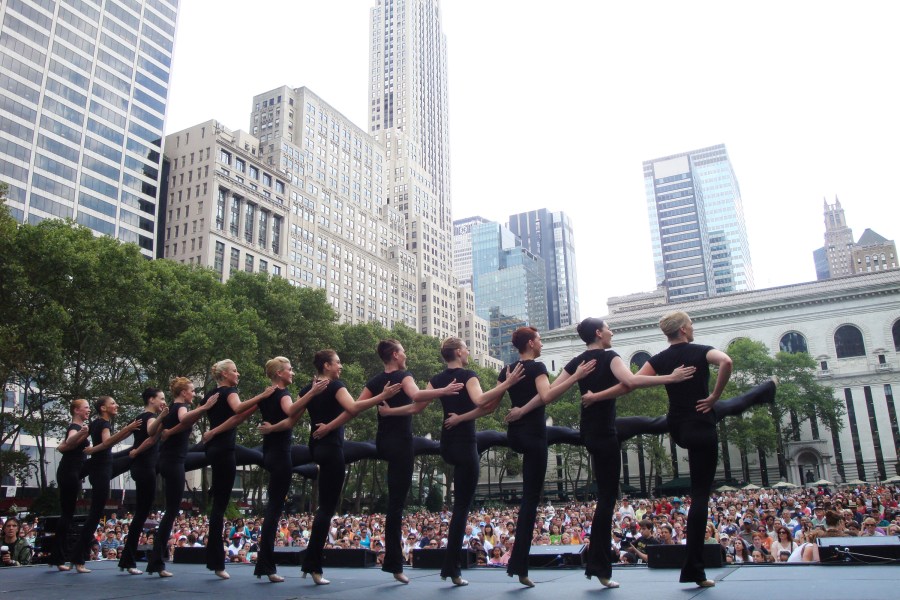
551,557
672,556
433,558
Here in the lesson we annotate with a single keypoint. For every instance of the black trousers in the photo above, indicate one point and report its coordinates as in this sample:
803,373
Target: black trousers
398,452
531,443
99,474
68,478
278,463
172,472
144,475
764,393
606,457
698,436
463,456
330,459
224,469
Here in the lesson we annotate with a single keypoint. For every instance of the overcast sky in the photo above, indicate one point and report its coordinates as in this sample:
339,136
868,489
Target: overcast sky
556,105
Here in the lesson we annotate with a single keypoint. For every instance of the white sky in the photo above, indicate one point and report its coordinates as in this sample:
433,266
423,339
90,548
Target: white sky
556,105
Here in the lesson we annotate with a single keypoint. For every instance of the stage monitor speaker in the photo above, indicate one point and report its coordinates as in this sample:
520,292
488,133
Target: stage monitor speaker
45,532
190,556
859,550
546,557
288,556
353,558
672,556
433,558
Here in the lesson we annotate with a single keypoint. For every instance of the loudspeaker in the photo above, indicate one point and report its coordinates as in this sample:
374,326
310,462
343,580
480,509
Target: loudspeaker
190,556
545,557
353,558
850,550
672,556
433,558
288,556
45,532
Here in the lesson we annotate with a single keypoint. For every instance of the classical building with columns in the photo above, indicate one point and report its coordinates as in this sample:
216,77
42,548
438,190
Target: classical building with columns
850,325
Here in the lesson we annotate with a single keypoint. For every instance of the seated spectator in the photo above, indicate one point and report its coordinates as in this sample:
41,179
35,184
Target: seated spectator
740,553
870,528
757,557
784,543
495,559
808,551
109,543
17,552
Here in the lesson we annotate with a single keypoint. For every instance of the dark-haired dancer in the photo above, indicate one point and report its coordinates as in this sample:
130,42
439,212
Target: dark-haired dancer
99,471
599,432
224,417
176,434
68,479
458,442
693,425
327,413
394,441
275,408
528,436
143,454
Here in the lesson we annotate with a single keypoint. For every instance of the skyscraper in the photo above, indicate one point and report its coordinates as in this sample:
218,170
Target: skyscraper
462,249
697,227
549,235
407,106
510,286
83,90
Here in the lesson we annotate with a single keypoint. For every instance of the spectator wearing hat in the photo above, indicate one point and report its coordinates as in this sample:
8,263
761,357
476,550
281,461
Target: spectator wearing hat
818,518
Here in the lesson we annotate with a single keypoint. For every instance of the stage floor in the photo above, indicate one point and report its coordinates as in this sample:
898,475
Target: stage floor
750,582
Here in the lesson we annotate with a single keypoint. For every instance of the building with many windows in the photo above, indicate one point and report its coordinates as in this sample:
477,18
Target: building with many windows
849,325
303,200
408,114
841,256
697,228
510,286
462,249
83,88
550,236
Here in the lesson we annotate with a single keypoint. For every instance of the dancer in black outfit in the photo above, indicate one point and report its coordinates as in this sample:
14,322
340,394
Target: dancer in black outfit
458,442
327,414
99,472
528,436
68,479
143,455
275,408
176,434
693,425
394,441
224,417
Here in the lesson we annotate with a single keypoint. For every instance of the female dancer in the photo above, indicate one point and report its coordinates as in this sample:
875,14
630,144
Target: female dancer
327,414
458,446
144,452
99,471
528,436
692,424
224,417
176,434
394,440
275,408
68,478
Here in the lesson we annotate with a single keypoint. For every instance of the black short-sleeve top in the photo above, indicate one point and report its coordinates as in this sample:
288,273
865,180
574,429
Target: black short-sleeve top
458,404
175,446
96,429
271,411
148,456
75,457
392,426
683,396
218,414
598,419
523,391
324,408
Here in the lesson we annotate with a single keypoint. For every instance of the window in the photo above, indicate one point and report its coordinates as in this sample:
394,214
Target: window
638,359
793,343
848,342
895,330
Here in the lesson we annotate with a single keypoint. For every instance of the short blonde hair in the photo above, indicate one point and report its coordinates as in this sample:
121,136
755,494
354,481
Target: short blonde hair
672,322
274,365
218,369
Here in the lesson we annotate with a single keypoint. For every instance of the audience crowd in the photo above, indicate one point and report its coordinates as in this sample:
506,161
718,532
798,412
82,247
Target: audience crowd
761,526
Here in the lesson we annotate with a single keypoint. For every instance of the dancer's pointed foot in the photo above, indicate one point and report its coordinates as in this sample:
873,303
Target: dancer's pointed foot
706,583
163,573
81,569
523,579
223,574
607,582
401,578
318,579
